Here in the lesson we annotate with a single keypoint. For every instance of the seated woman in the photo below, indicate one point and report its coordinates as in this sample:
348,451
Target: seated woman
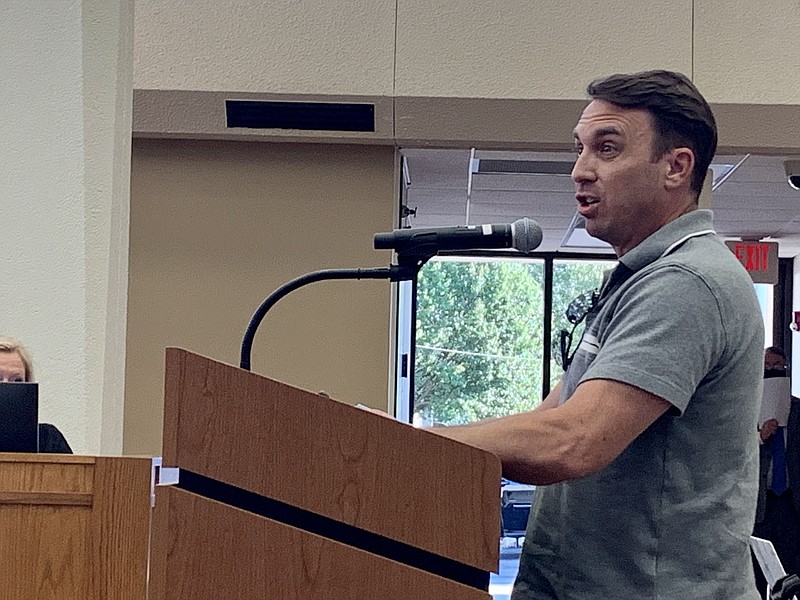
15,366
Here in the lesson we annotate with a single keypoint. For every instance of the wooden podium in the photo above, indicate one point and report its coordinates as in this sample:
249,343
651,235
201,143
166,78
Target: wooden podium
74,527
285,494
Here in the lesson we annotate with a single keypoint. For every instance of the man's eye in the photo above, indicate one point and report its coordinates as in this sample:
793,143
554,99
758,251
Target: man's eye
607,148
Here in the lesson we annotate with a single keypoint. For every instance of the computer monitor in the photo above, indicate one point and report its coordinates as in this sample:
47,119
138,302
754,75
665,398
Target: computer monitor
19,417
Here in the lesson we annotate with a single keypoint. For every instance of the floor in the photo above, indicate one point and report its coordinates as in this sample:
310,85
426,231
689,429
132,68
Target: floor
501,583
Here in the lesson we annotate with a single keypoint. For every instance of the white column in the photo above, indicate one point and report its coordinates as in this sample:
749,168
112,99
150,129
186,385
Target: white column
65,150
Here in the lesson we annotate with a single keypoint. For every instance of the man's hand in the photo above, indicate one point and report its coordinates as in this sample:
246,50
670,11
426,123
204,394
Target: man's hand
768,429
376,411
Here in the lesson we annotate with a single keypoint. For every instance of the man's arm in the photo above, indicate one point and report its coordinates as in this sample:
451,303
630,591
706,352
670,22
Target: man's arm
551,401
567,441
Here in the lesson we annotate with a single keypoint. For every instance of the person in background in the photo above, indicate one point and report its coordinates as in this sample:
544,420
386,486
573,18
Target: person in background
778,509
644,451
16,366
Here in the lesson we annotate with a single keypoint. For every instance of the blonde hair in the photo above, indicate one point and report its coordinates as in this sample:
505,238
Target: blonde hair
9,344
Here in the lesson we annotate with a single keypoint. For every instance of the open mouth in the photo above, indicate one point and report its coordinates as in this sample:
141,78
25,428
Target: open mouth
586,203
586,199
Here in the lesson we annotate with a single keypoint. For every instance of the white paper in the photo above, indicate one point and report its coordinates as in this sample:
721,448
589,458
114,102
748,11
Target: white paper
776,401
767,559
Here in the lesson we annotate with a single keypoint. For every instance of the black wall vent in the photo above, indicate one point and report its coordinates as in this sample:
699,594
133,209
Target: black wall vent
524,167
316,116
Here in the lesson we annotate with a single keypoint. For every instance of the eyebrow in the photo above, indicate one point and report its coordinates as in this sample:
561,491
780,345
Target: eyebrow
603,131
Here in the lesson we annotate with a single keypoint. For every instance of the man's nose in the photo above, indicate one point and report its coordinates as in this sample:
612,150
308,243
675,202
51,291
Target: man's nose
581,170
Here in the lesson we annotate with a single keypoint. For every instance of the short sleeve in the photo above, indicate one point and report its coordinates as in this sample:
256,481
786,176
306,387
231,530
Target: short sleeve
666,333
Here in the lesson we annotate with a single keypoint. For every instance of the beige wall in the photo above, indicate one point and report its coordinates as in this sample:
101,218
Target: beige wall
454,73
217,226
523,49
739,51
280,46
746,52
65,127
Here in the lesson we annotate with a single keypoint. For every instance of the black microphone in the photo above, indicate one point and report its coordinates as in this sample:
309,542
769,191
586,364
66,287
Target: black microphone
523,235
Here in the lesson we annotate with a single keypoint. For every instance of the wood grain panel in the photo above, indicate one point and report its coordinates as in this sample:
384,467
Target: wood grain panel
332,459
42,476
42,553
73,528
218,552
27,458
55,498
120,528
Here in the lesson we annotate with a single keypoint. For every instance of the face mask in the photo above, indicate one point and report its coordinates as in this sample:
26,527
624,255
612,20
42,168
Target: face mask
769,373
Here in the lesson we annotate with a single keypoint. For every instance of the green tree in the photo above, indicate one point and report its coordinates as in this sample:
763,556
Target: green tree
571,278
479,332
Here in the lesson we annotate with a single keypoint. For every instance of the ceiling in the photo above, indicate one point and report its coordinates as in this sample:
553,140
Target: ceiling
752,201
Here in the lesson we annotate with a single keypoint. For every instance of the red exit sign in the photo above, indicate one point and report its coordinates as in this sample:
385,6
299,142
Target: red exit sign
759,258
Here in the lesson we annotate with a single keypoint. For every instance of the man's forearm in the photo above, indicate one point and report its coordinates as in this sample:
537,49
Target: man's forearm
568,441
532,449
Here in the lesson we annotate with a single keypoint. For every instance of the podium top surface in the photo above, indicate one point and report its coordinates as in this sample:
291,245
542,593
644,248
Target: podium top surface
32,457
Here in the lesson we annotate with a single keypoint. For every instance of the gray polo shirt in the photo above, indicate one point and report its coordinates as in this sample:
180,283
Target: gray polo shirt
670,518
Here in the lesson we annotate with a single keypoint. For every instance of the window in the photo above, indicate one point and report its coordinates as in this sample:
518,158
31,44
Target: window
571,278
765,293
478,339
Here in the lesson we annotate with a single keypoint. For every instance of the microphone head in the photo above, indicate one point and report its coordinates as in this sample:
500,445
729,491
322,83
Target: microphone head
526,235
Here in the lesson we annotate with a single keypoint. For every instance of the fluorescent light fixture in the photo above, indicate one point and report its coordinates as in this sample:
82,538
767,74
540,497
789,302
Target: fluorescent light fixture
723,171
719,171
577,238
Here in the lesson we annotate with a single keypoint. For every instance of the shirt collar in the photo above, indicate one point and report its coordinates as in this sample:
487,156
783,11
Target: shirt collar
668,238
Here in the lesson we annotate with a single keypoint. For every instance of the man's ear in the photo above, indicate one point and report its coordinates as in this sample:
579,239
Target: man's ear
679,167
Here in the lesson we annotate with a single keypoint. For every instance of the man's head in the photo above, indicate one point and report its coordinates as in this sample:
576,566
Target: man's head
775,359
681,116
644,144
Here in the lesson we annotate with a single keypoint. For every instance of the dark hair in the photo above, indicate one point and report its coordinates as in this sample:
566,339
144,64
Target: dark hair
681,115
776,350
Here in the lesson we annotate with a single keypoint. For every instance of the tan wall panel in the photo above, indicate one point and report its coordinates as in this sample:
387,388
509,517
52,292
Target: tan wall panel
522,49
217,226
295,46
747,52
197,114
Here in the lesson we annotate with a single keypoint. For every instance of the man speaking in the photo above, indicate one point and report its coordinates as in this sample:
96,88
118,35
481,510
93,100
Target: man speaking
645,451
